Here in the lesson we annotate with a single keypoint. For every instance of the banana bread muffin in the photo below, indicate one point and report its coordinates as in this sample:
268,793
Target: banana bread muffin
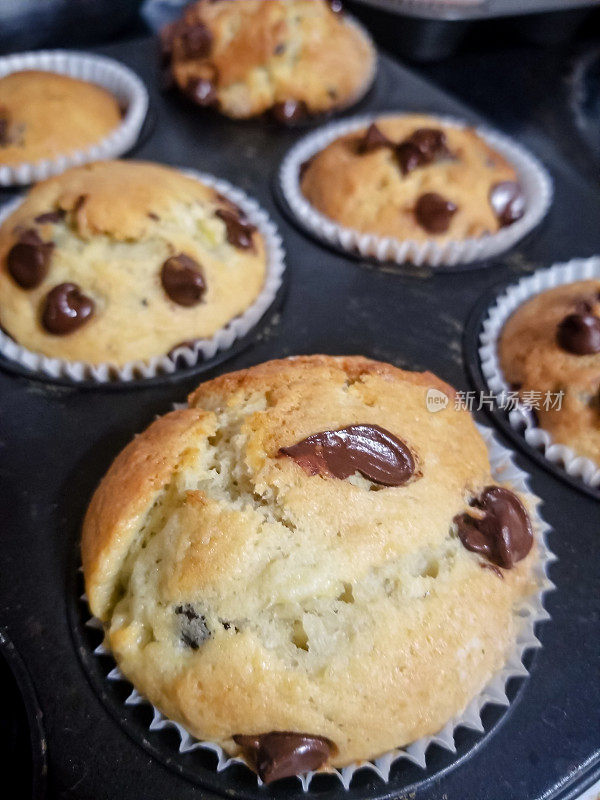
46,115
291,57
551,345
410,177
120,261
292,566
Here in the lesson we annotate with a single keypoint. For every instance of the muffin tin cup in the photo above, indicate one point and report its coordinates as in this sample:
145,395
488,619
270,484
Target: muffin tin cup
118,79
534,179
521,418
182,357
528,614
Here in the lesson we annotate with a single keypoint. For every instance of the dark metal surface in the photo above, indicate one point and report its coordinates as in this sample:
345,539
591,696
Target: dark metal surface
58,441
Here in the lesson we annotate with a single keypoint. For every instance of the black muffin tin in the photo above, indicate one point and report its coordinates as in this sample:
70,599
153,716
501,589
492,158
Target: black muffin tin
58,440
428,30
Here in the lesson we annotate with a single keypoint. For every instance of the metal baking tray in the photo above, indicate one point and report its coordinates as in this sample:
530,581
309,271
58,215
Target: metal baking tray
58,440
426,30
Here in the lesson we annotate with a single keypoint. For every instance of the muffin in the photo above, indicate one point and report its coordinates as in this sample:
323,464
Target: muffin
120,260
551,345
46,115
307,566
291,57
410,177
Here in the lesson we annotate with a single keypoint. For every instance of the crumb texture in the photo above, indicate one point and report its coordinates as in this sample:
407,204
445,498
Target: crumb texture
242,595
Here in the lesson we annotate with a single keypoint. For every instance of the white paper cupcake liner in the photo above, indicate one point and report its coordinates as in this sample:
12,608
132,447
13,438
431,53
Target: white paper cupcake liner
203,349
528,614
520,417
535,181
118,79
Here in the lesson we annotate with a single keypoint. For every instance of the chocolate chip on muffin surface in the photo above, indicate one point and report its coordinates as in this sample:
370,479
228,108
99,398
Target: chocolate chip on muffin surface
292,58
305,564
121,261
550,348
45,115
412,177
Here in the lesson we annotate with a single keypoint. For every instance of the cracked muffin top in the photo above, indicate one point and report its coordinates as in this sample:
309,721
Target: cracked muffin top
410,177
121,260
306,565
46,115
291,57
550,353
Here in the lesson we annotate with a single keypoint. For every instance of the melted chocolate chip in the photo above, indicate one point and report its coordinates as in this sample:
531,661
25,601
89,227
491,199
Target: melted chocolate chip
373,139
278,755
289,111
409,157
422,147
503,535
202,91
374,452
196,40
51,216
182,280
65,309
507,201
239,230
194,629
431,142
579,334
434,212
29,259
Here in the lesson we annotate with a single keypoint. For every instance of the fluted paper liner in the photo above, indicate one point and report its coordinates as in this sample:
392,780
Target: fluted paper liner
527,614
521,418
534,180
118,79
203,349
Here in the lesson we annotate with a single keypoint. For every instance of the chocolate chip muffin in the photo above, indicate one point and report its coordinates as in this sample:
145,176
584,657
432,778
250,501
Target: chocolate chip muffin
46,115
120,261
293,58
409,177
306,565
550,352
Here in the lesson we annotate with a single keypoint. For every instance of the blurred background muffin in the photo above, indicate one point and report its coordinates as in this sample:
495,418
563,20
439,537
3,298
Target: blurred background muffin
293,58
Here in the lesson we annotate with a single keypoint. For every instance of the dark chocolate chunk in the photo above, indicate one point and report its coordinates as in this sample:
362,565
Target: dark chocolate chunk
431,142
422,147
65,309
373,139
239,230
374,452
195,40
507,201
279,49
29,259
579,334
289,111
182,280
51,216
503,534
202,91
194,629
434,212
278,755
409,157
